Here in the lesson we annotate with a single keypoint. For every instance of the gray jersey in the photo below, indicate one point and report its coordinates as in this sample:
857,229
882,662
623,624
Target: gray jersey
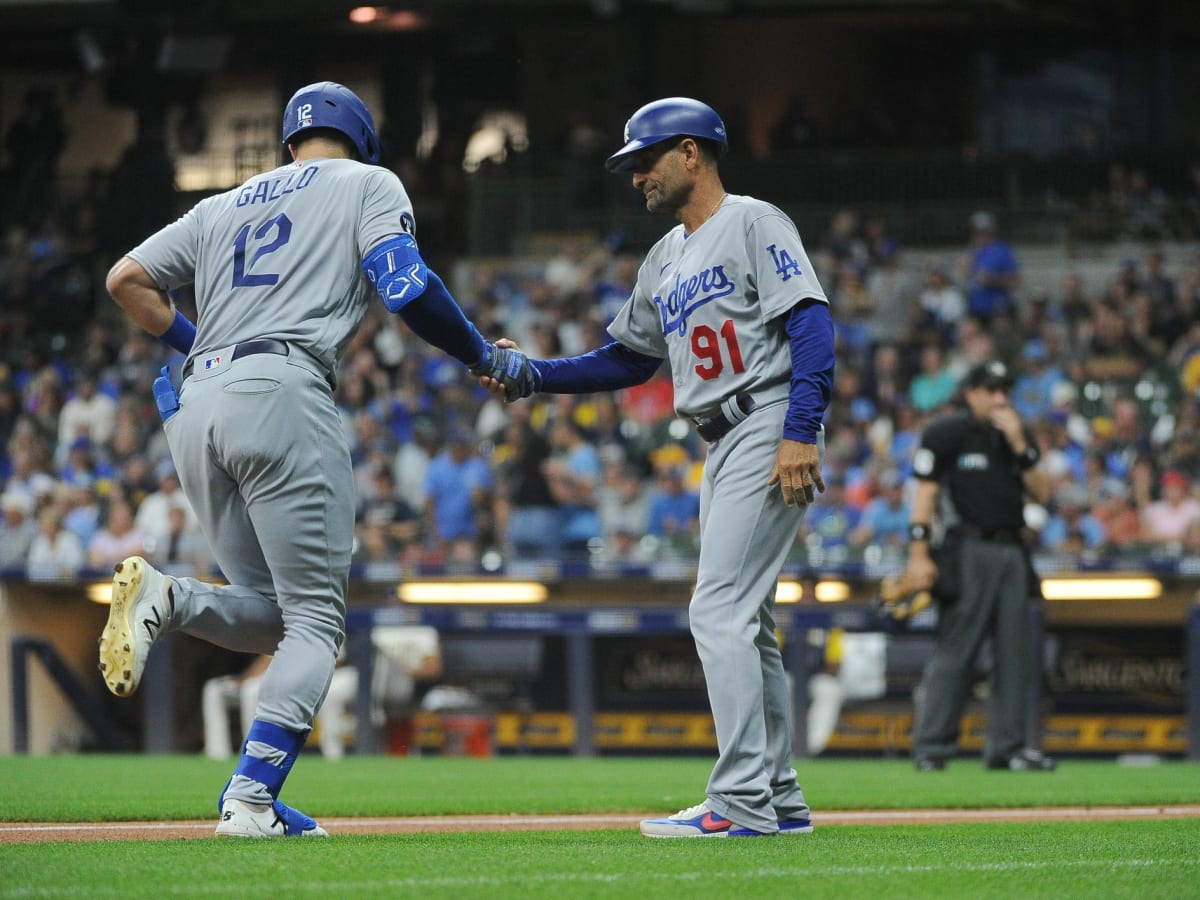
280,257
711,302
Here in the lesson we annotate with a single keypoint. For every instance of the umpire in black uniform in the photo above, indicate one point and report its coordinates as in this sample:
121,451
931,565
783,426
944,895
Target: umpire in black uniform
987,463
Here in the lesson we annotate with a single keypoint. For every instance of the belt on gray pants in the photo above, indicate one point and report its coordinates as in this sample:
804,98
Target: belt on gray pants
733,410
250,348
247,348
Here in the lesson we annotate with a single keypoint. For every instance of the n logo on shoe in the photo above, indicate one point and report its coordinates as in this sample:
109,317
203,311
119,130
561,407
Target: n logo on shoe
153,626
227,815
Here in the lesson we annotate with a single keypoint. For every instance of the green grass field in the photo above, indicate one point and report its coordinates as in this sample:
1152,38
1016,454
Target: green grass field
1146,858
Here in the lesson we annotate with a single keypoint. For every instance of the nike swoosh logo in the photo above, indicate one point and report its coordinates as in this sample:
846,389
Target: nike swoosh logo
664,268
714,823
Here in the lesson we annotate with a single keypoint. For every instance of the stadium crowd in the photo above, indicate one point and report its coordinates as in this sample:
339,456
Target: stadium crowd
448,477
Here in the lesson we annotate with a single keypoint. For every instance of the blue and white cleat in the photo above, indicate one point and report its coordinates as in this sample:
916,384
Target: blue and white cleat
696,821
265,820
787,826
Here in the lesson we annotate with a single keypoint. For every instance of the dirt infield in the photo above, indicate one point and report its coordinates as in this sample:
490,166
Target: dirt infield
34,832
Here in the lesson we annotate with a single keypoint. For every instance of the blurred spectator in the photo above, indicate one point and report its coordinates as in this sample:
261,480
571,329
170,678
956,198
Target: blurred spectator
842,245
1166,519
674,510
1127,440
83,465
117,537
1115,511
17,529
387,514
28,477
1038,377
1069,516
89,414
564,270
458,487
623,503
574,472
153,514
616,280
80,508
991,270
527,511
942,303
55,553
830,521
182,548
412,462
892,292
933,385
886,516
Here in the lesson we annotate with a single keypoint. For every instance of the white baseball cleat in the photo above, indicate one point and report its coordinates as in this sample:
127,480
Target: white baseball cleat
265,820
140,610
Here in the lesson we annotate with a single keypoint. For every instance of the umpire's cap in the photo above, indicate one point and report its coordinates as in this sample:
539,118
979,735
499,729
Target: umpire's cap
327,104
662,120
993,374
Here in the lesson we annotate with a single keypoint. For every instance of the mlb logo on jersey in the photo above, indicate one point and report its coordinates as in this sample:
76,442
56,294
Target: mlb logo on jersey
212,362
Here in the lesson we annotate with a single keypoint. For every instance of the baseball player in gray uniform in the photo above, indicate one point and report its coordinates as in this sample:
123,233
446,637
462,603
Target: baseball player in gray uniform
729,297
283,268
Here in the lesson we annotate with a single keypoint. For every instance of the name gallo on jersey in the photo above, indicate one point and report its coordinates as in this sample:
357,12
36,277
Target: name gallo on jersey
689,294
272,189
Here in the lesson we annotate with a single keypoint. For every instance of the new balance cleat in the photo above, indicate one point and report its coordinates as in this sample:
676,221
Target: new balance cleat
696,821
787,826
140,610
265,820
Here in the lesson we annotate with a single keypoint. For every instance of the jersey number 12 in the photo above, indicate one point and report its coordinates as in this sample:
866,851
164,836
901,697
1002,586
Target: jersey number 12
279,230
706,344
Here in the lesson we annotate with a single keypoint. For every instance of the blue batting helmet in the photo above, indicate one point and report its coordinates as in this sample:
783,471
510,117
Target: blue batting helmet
327,104
663,120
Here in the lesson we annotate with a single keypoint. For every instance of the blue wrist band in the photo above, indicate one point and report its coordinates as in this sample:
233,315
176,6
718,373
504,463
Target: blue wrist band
181,335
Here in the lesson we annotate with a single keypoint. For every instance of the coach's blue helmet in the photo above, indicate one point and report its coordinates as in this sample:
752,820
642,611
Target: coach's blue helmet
663,120
327,104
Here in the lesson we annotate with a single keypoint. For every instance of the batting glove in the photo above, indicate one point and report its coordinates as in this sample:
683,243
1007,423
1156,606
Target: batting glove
512,369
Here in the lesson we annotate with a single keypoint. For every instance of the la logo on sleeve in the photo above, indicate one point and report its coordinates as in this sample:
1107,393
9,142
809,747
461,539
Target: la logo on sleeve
785,264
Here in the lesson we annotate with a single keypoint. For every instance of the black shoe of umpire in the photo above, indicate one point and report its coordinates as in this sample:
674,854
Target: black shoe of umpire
1027,760
929,764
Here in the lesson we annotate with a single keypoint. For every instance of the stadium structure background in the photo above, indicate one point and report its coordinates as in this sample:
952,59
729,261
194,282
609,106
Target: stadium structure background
498,113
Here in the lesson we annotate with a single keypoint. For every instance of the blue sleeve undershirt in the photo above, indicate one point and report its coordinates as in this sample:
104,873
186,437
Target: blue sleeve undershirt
810,334
615,366
608,368
435,318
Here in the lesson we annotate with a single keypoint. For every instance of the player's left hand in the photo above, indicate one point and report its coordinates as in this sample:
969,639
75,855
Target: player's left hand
798,472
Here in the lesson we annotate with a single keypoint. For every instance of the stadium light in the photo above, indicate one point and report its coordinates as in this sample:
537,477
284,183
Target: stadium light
826,592
100,592
472,592
1117,588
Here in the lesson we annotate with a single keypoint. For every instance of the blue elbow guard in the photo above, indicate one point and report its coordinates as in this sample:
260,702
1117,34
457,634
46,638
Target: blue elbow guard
397,271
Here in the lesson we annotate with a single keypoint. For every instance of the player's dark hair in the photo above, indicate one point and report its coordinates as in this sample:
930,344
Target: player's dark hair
712,151
329,134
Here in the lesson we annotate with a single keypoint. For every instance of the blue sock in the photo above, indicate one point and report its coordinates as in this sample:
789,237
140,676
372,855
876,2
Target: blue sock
268,755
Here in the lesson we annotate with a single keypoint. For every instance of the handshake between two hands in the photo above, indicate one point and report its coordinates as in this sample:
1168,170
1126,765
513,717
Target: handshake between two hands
505,370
